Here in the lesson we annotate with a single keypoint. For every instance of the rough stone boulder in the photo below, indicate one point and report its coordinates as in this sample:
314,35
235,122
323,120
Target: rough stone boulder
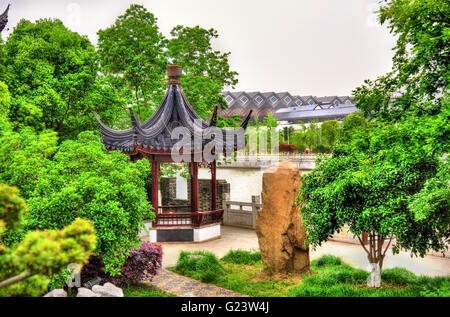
59,292
85,292
107,290
281,234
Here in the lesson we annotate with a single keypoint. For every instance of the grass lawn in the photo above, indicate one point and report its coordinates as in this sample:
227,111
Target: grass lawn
244,272
144,289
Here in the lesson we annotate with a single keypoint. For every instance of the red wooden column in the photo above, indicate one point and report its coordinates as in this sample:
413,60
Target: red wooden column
155,177
194,186
213,186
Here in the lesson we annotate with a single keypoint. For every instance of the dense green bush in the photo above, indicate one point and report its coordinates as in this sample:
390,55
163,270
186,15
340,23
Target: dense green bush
83,180
242,257
440,287
203,266
41,253
52,75
326,260
398,275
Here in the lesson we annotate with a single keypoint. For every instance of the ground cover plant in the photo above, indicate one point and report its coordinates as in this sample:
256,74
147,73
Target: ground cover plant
144,289
329,277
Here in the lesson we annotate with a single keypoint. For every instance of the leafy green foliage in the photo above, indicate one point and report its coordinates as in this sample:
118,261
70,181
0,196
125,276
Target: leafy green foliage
398,276
51,74
326,260
5,103
12,209
367,184
83,180
133,56
441,289
330,279
132,60
55,248
232,122
420,73
386,177
23,157
144,289
206,71
241,257
203,266
319,138
40,253
5,100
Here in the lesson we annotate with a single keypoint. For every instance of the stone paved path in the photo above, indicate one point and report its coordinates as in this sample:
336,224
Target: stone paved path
187,287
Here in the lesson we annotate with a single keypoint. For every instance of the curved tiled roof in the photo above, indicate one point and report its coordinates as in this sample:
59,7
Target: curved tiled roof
4,18
155,134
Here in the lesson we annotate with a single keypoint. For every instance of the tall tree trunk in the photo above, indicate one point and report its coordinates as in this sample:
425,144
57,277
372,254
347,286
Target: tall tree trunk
375,255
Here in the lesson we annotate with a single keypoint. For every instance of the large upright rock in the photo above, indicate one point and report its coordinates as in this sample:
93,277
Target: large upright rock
281,234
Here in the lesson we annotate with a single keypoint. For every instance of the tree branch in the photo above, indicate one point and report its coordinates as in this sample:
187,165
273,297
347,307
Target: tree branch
387,247
362,243
15,279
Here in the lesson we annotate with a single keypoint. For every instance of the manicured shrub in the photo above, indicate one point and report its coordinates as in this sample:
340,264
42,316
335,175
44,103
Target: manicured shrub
242,257
39,254
442,289
142,264
326,260
398,275
85,180
203,266
337,275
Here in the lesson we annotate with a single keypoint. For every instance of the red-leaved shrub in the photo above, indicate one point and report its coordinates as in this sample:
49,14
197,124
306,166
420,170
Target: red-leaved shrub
142,264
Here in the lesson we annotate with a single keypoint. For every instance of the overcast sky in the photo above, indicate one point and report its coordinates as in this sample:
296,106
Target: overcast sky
306,47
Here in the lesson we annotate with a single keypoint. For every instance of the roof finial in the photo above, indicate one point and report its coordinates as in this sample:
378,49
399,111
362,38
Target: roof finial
174,73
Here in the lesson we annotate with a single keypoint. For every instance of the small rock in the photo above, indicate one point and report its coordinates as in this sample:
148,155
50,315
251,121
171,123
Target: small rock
59,292
86,292
108,290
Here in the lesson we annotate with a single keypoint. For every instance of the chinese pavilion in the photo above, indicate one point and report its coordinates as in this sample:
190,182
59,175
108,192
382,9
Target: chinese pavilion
4,18
175,131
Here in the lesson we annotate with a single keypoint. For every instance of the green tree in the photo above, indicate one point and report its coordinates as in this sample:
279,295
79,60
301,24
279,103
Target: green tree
353,123
51,75
297,138
312,134
132,60
5,103
206,71
420,73
24,156
84,180
366,185
232,122
25,267
329,132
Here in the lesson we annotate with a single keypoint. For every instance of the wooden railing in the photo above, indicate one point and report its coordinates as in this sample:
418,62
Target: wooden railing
194,219
174,208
